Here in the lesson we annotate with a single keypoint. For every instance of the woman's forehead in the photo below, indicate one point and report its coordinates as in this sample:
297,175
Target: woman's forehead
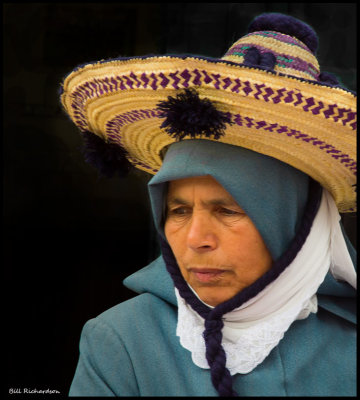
204,190
204,185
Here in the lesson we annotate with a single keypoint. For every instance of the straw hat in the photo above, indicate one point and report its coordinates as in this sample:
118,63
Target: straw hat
265,94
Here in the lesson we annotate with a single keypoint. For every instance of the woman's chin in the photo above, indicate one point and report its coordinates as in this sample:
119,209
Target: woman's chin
212,299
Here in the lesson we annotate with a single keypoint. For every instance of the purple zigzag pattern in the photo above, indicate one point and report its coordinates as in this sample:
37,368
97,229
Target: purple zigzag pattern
238,120
227,83
237,86
129,82
145,79
299,97
317,109
260,124
247,89
174,76
197,78
217,80
165,81
88,86
330,111
185,78
259,91
207,78
289,98
269,92
134,77
341,113
351,116
309,103
271,127
330,149
108,84
114,126
154,82
115,84
277,98
250,122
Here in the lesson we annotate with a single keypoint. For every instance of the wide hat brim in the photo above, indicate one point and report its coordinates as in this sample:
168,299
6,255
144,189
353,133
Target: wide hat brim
306,124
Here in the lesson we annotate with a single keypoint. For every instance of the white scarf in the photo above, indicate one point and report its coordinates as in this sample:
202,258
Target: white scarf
251,331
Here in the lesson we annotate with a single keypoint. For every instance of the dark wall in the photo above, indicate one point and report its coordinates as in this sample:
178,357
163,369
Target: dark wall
70,238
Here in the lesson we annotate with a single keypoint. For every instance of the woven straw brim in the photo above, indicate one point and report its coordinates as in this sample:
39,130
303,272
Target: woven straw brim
307,125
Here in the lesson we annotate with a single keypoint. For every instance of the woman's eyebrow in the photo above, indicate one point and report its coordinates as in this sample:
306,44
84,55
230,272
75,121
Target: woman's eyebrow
222,202
174,201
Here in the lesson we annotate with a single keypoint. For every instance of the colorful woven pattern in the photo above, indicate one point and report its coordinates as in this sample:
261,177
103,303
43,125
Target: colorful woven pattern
292,56
185,79
278,107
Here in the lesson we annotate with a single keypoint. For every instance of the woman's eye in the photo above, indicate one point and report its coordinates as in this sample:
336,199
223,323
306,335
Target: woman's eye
227,211
179,211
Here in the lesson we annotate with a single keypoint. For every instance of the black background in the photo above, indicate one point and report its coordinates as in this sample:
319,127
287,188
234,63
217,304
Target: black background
70,238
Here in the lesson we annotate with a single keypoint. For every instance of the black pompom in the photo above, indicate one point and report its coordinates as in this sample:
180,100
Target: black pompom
187,114
288,25
108,158
268,60
253,57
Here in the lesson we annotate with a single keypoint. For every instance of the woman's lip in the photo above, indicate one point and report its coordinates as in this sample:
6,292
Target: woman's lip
207,274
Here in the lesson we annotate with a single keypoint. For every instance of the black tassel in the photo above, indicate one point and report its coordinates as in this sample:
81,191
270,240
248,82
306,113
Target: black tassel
187,114
108,158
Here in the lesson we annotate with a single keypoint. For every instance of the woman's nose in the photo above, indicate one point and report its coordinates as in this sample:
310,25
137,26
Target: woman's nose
201,236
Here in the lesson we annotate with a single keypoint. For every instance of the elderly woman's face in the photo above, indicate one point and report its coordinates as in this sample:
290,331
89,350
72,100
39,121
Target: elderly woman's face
217,247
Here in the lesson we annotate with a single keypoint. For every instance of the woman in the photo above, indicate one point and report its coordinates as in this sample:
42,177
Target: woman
253,157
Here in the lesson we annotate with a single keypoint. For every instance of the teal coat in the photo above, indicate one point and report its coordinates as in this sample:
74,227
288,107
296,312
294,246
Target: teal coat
132,349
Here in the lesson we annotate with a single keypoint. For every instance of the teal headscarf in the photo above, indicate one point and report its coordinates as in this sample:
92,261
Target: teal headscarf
272,193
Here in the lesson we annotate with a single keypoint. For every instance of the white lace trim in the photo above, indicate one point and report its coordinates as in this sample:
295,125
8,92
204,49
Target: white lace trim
253,344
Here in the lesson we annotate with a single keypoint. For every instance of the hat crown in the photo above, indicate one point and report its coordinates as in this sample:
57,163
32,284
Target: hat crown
288,25
290,41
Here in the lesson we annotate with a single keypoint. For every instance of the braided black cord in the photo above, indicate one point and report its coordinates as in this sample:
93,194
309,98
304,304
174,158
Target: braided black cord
179,281
216,357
